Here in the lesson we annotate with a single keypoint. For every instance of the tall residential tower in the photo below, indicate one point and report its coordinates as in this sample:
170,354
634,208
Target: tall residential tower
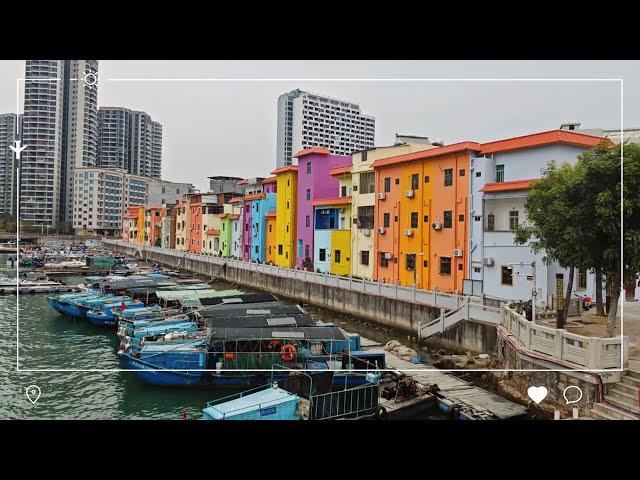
307,120
60,131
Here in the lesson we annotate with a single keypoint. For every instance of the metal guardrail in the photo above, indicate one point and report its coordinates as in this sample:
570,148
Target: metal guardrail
432,298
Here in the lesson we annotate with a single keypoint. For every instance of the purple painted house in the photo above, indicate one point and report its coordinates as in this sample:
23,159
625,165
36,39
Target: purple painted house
314,182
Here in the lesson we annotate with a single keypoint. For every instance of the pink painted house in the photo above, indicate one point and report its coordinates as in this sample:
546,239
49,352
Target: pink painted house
314,182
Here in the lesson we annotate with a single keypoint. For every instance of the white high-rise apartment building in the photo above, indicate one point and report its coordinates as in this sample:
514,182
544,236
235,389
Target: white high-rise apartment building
308,120
130,140
101,197
59,128
8,135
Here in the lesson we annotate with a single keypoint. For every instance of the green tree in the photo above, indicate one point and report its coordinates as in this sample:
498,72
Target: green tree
575,217
554,226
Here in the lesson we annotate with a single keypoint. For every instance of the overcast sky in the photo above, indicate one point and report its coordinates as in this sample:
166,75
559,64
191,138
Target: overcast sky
229,128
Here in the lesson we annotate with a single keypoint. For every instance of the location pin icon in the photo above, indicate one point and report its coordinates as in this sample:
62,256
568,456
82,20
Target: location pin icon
33,393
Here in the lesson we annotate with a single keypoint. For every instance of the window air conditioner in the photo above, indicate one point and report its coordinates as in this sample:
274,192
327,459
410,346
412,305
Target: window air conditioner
381,229
488,261
457,252
388,256
408,232
410,193
436,225
382,196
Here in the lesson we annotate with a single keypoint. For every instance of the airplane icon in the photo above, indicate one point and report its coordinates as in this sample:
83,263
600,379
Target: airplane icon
17,149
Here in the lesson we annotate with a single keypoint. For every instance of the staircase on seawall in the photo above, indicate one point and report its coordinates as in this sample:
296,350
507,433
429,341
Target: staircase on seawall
625,395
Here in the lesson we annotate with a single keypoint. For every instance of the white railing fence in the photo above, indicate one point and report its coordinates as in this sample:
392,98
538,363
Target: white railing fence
432,298
590,352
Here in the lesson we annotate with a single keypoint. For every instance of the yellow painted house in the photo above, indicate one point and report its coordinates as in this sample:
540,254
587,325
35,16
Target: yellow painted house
285,255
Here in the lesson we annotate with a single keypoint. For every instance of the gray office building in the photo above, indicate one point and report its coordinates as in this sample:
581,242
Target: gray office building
308,120
129,140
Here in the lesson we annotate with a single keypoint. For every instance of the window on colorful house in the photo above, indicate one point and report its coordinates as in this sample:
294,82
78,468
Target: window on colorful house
410,261
387,184
308,221
386,220
384,261
448,177
506,276
448,220
364,257
491,222
322,255
308,167
414,219
415,181
279,249
499,173
308,194
582,279
513,219
337,256
445,265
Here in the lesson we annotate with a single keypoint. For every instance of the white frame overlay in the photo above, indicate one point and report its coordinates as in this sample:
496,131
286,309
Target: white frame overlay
335,80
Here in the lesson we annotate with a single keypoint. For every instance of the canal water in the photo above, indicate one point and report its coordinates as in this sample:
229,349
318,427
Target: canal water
52,341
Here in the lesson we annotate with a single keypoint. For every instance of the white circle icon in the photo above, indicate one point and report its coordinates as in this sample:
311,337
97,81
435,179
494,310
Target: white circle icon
90,79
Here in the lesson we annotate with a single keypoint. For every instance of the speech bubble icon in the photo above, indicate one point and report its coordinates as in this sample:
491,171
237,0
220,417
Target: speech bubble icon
570,387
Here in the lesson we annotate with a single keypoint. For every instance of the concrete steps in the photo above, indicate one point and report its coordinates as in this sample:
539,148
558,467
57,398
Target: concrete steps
600,411
623,395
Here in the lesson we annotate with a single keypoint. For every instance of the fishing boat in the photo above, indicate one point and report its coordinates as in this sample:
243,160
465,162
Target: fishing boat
237,352
299,397
105,316
382,397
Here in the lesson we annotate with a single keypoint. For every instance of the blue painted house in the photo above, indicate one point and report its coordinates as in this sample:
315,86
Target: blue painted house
261,205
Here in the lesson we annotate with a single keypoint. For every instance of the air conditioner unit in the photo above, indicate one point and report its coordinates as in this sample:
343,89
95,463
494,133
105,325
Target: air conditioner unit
488,261
366,233
408,232
410,194
457,252
436,225
382,196
388,256
342,210
381,229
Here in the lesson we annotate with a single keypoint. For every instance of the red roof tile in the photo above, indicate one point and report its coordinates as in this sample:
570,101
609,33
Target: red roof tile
212,231
543,138
254,196
341,170
430,153
332,201
507,186
271,215
311,151
288,168
270,180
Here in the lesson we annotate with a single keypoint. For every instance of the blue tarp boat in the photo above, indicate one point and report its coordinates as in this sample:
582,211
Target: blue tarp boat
106,316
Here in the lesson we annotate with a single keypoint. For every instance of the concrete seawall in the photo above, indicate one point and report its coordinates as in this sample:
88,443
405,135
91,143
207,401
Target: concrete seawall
394,313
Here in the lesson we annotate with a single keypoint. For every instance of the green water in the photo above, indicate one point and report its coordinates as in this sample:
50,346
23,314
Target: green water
49,340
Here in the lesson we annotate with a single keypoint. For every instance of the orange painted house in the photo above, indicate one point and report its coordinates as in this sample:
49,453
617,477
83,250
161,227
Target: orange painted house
195,233
421,226
153,225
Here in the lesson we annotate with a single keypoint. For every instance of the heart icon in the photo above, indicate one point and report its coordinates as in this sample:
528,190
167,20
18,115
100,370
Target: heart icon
537,394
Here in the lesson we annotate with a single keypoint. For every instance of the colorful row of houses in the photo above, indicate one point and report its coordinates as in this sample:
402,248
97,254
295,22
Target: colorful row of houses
413,213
